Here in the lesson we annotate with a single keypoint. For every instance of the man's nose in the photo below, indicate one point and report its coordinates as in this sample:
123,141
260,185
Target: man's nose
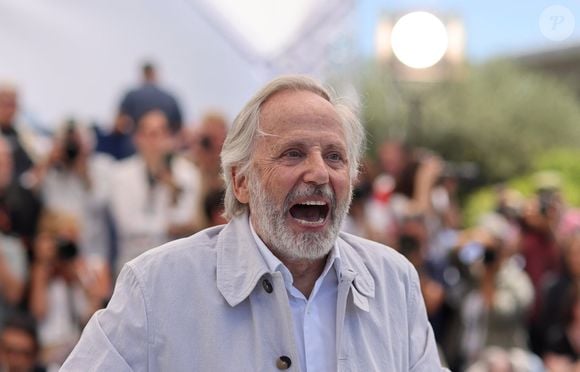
316,170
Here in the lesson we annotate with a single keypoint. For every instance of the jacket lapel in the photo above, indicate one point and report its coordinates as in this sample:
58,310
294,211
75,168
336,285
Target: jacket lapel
239,263
354,271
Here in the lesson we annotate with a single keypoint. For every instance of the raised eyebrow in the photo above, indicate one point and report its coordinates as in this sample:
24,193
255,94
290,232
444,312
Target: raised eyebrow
303,145
289,145
336,147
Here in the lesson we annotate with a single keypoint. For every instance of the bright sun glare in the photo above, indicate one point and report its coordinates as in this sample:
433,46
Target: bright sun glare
419,39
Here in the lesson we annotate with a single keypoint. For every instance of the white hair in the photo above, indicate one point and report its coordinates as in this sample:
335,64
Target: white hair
240,142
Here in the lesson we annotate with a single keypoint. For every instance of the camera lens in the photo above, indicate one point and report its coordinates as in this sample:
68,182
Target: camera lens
205,142
489,256
71,150
67,249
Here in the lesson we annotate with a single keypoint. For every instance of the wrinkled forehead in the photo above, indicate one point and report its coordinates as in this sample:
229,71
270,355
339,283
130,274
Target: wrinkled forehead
298,109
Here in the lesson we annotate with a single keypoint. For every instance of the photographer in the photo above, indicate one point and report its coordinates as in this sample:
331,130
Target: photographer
66,288
540,246
151,191
494,294
74,179
204,144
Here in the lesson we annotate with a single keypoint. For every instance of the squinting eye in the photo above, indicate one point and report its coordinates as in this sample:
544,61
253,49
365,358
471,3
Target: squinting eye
335,156
292,154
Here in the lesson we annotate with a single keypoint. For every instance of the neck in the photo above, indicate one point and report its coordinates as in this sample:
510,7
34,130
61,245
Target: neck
305,273
152,161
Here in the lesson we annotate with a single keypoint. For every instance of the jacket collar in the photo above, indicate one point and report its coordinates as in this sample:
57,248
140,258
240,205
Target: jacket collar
240,265
355,271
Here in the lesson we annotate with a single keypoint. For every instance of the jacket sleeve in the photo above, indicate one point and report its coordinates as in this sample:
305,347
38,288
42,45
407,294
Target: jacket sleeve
116,338
423,351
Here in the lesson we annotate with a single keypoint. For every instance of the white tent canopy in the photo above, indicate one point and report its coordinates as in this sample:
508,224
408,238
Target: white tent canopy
77,58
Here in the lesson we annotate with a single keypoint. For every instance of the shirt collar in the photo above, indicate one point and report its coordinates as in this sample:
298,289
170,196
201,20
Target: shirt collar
240,265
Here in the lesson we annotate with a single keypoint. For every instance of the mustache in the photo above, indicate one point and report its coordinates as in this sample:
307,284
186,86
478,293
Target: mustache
306,190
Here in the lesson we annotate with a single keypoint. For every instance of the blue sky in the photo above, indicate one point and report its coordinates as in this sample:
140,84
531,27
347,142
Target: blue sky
493,27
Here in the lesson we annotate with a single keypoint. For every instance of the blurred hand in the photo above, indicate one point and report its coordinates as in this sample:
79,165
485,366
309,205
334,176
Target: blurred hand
44,249
430,169
433,294
123,124
94,279
559,363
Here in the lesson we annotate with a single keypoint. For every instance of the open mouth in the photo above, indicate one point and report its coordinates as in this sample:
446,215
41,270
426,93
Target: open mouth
310,212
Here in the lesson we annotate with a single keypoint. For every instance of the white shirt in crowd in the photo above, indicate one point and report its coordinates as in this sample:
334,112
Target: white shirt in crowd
143,211
66,192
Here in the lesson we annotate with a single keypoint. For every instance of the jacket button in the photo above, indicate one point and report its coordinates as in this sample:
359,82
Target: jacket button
283,362
267,285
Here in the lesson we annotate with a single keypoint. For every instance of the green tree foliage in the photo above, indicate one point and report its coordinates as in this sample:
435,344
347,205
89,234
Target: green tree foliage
565,162
498,115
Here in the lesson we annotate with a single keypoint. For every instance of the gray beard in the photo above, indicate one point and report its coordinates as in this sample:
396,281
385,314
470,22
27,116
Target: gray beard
269,222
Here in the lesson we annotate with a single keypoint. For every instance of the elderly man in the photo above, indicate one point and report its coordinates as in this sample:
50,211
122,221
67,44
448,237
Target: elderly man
278,287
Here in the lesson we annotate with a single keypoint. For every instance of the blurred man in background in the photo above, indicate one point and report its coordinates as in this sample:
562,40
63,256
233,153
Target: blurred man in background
152,190
19,345
204,147
149,96
20,141
20,206
75,180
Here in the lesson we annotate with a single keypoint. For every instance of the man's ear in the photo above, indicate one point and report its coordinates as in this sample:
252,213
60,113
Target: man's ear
241,189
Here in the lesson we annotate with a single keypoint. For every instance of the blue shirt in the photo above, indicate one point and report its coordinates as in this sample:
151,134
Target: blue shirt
314,318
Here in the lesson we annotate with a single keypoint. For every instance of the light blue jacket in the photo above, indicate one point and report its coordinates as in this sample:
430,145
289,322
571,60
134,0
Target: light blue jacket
203,303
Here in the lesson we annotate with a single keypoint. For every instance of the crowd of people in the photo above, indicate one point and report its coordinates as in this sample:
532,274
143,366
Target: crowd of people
502,295
76,206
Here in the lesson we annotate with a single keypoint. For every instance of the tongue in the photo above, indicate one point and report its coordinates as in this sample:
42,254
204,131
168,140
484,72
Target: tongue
308,213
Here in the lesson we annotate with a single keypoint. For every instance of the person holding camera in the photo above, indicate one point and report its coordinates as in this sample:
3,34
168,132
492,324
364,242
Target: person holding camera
152,190
66,287
74,179
204,144
497,293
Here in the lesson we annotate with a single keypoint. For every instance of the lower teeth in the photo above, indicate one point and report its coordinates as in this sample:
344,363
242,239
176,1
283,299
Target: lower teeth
310,222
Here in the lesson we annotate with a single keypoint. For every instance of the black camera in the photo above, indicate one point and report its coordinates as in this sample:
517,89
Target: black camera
490,256
72,148
546,201
205,143
66,250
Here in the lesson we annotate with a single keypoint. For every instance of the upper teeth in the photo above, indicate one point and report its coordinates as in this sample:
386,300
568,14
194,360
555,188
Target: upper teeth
313,203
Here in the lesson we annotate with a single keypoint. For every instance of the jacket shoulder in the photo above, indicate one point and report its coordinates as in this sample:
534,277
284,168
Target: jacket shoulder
179,257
